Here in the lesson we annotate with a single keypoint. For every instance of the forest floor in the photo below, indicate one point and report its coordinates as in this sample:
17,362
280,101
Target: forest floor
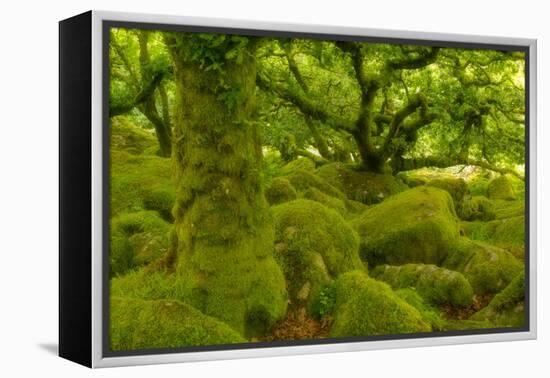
362,254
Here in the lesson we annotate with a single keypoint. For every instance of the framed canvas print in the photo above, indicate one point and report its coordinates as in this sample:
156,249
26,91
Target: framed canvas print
236,189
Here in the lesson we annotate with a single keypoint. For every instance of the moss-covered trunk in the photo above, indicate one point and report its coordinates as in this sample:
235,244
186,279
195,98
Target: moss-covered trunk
371,160
225,235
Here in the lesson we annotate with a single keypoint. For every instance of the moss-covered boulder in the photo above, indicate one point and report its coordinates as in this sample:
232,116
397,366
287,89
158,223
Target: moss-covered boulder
507,308
334,203
465,324
137,239
415,226
126,136
300,164
303,180
146,284
365,187
313,245
501,188
455,186
160,200
507,233
508,209
367,307
436,285
140,324
477,208
280,190
141,182
489,269
430,314
477,185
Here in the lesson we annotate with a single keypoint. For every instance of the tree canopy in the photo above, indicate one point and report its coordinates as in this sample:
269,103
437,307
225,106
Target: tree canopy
386,107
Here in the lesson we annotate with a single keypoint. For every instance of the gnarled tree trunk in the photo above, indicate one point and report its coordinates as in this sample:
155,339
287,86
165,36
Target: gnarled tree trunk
224,233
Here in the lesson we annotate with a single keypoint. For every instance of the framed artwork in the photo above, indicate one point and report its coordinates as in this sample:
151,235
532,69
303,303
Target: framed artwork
233,189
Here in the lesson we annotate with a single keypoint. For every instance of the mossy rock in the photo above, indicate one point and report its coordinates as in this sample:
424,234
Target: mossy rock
303,180
455,186
367,307
489,269
300,164
139,324
313,245
423,176
137,239
334,203
477,208
477,185
161,200
465,324
507,308
501,188
366,187
508,209
430,314
436,285
507,233
280,190
140,182
146,284
415,226
126,136
355,207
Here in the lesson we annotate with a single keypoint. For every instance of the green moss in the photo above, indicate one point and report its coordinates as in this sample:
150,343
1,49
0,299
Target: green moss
141,221
354,207
510,234
224,265
477,185
365,187
146,284
477,208
507,233
300,164
303,180
465,324
455,186
507,307
314,245
138,324
161,200
140,182
418,225
280,190
366,307
429,314
508,209
334,203
137,239
477,230
128,137
121,254
239,283
488,268
501,188
436,285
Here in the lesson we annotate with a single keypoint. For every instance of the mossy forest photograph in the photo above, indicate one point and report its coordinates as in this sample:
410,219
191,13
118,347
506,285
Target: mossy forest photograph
276,189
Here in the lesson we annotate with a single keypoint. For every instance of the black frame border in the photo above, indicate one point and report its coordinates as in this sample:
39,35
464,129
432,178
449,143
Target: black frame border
106,25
